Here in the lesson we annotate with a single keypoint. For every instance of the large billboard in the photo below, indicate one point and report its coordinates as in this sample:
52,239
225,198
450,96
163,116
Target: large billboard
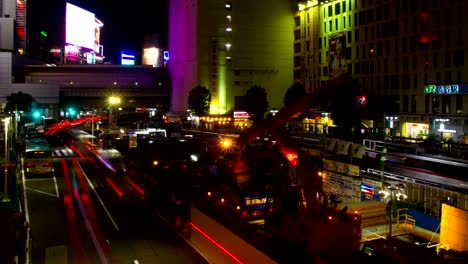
81,28
337,54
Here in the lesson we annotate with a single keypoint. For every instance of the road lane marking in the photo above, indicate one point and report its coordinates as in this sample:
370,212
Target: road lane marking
56,187
100,200
39,179
26,214
46,193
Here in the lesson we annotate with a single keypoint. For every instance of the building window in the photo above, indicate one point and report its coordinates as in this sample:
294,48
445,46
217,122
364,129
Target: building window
460,37
325,27
330,11
297,74
297,47
405,104
446,104
435,60
459,104
448,77
337,9
413,104
404,45
387,48
415,81
435,104
319,43
378,13
349,37
297,34
458,58
297,21
344,6
336,23
426,104
448,38
356,35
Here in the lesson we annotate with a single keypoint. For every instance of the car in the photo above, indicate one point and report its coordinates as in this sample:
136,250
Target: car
38,158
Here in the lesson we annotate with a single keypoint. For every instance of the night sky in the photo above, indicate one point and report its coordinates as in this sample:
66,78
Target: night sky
125,22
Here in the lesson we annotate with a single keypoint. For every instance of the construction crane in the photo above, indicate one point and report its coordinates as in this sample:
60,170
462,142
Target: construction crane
300,213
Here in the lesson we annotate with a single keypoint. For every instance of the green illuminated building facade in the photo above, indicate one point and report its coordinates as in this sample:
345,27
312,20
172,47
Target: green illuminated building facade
392,49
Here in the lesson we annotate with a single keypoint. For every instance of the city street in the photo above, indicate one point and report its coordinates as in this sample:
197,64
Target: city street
75,218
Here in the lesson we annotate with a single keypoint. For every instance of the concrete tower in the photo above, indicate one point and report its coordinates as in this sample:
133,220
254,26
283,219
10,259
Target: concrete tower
228,47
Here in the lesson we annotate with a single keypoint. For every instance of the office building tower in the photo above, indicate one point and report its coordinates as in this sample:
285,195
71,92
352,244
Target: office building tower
228,47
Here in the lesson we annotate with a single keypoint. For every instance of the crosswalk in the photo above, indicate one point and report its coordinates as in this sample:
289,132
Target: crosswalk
63,153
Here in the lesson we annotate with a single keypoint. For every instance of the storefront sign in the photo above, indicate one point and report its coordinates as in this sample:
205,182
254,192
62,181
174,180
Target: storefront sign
446,89
241,115
345,168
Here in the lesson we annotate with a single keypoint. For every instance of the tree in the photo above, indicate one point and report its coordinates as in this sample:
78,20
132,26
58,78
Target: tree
295,92
256,103
19,101
199,100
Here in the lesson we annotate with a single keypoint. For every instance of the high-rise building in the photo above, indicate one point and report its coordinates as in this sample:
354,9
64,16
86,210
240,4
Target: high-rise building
228,47
408,57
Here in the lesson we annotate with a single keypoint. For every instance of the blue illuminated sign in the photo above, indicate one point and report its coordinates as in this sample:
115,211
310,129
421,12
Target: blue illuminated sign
446,89
166,56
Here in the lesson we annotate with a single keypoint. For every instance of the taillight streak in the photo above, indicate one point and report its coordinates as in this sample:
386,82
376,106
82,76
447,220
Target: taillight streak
135,186
216,243
114,187
73,232
102,247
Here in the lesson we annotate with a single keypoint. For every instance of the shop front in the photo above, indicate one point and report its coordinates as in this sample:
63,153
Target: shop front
241,120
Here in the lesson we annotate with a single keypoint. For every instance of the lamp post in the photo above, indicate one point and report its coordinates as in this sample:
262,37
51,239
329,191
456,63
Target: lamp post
392,123
113,100
5,187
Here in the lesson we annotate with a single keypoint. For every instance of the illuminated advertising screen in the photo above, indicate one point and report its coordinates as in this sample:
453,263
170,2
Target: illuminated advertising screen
337,54
80,27
127,58
151,57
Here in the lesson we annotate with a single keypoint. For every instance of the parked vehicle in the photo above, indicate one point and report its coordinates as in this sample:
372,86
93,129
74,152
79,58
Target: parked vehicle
38,157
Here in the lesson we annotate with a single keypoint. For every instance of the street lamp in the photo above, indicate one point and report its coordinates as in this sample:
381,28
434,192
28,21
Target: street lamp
392,190
113,100
392,123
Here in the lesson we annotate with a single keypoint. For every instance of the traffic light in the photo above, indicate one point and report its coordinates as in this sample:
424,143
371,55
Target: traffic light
36,114
71,111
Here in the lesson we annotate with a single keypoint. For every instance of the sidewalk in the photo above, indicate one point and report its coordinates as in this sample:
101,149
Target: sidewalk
13,228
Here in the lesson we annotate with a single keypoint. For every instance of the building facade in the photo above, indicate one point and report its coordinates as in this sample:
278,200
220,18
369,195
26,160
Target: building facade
228,47
408,57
